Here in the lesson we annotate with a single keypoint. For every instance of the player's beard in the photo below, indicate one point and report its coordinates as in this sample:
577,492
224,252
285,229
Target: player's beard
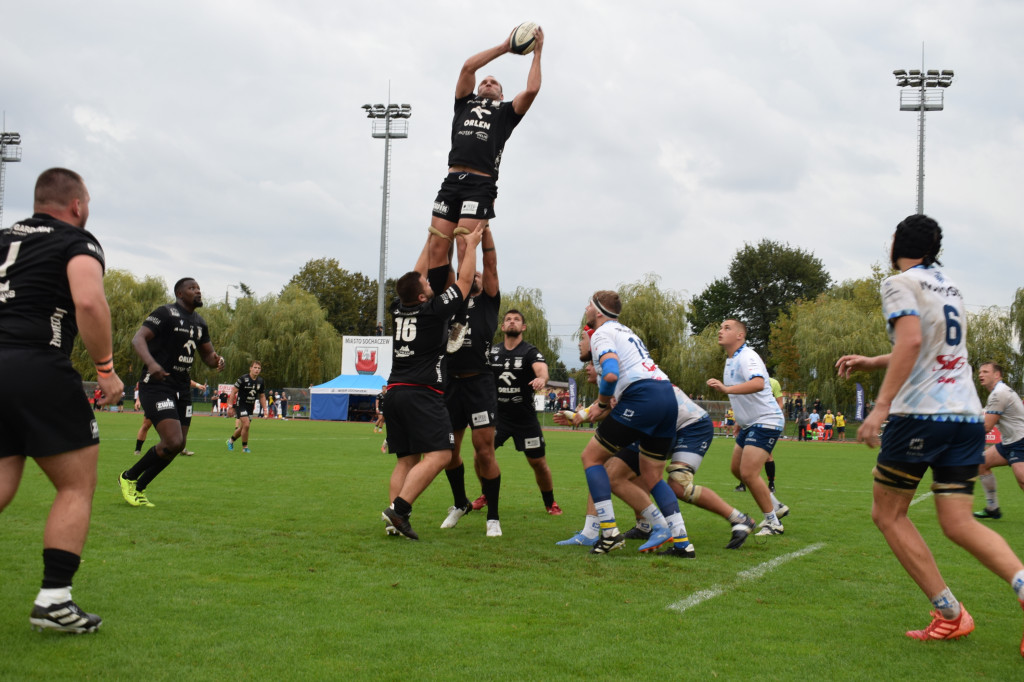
514,333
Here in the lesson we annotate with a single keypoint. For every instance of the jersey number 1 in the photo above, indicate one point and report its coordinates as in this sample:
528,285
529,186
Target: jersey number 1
12,255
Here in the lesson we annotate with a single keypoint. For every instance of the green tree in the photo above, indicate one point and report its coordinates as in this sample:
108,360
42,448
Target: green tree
716,303
349,298
659,318
764,279
769,276
130,300
702,358
289,335
990,339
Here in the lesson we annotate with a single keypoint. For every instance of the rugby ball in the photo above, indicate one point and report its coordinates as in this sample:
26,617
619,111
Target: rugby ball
522,40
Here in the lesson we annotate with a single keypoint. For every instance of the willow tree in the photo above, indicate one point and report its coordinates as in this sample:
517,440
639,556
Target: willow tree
826,329
289,334
130,300
990,339
659,318
701,358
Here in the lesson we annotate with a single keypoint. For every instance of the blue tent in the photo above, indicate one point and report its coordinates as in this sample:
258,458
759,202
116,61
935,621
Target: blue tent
329,401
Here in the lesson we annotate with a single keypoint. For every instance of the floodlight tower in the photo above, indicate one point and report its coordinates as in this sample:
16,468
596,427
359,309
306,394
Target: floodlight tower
390,121
10,152
922,91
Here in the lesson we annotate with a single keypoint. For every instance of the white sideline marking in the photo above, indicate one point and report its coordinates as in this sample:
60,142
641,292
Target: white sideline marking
743,576
921,498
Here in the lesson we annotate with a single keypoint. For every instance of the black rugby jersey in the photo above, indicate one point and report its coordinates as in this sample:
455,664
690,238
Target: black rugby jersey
249,391
421,336
483,322
513,372
36,308
177,336
479,131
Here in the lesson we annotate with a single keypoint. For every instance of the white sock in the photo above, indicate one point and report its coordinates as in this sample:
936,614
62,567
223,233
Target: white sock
988,482
606,516
591,527
770,519
1018,584
653,516
775,500
736,516
642,524
946,604
53,595
678,528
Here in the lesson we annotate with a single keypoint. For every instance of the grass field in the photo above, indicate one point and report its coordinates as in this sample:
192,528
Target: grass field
274,565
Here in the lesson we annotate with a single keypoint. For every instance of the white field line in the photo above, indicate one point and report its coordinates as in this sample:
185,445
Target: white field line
754,573
921,498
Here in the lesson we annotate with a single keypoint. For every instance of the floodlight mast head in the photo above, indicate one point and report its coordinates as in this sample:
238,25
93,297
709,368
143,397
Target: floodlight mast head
390,122
10,152
922,92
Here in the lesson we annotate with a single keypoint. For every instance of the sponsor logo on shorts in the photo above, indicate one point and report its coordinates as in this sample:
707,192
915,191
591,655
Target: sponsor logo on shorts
188,411
531,443
481,418
441,207
95,429
165,405
451,438
628,414
470,207
915,445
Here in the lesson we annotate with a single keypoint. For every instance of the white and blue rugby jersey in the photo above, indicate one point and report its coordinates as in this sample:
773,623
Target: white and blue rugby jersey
1007,404
941,384
752,408
689,411
635,362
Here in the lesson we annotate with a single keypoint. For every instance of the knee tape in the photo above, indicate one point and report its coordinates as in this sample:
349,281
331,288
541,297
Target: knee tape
892,477
438,233
683,475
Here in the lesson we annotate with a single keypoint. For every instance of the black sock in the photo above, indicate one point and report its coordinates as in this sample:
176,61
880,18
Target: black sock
59,568
146,461
245,443
491,487
402,508
138,445
769,468
549,497
153,471
457,481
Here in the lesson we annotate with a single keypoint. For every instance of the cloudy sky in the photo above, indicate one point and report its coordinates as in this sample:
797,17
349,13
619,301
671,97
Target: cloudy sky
225,139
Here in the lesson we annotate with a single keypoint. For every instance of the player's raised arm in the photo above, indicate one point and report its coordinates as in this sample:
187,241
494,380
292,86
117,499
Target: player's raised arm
522,102
467,76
